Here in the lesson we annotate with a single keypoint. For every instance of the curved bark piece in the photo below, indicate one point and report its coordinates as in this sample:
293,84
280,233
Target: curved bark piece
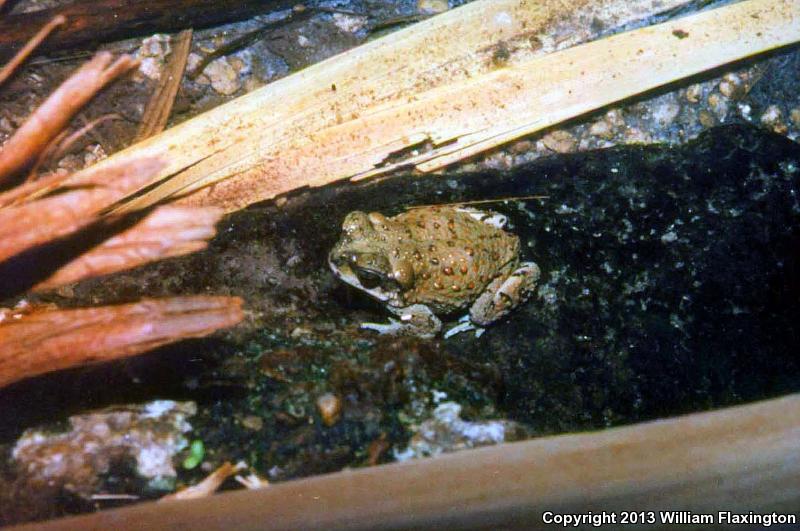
41,340
167,232
36,222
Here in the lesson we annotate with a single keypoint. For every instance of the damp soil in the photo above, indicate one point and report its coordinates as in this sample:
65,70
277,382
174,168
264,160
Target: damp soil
670,284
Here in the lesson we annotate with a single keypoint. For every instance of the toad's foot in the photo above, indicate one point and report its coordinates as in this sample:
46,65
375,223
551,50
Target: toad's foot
502,295
415,320
464,325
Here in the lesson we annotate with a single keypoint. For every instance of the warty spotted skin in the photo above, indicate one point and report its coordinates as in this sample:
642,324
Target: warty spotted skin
433,260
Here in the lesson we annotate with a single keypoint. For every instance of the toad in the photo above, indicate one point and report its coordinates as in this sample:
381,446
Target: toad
434,261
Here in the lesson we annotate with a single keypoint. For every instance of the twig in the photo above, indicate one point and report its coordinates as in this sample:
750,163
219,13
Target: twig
114,497
30,46
483,201
208,486
158,109
62,143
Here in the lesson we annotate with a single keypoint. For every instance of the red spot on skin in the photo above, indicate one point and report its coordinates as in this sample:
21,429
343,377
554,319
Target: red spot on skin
447,270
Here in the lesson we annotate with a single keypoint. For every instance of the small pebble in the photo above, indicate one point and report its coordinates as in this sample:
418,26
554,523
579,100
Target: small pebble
634,135
299,331
330,408
349,23
732,86
521,146
771,118
253,422
707,119
6,126
223,77
718,104
693,93
665,113
559,141
794,115
614,118
602,129
431,7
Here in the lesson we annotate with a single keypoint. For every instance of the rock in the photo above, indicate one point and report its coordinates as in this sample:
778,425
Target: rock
329,407
634,135
694,92
152,55
447,432
253,422
706,119
223,77
665,112
732,86
559,141
432,7
772,118
150,434
602,129
636,327
794,115
718,105
350,23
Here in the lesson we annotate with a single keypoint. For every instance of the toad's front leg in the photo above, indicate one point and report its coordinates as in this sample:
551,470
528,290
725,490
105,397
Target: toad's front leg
504,293
415,320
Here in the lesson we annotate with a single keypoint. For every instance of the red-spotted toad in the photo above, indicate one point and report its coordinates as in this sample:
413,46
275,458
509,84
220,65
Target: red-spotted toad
434,260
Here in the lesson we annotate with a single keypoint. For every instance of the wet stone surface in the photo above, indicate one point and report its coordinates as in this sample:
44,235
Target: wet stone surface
670,284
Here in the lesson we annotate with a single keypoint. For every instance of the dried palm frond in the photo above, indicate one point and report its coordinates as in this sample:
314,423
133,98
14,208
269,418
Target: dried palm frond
35,340
65,232
167,232
55,113
11,67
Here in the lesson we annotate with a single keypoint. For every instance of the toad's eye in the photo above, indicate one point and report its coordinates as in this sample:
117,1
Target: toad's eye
368,279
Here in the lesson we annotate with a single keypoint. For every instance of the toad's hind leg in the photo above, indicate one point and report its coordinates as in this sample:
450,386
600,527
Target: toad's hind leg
415,320
504,293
